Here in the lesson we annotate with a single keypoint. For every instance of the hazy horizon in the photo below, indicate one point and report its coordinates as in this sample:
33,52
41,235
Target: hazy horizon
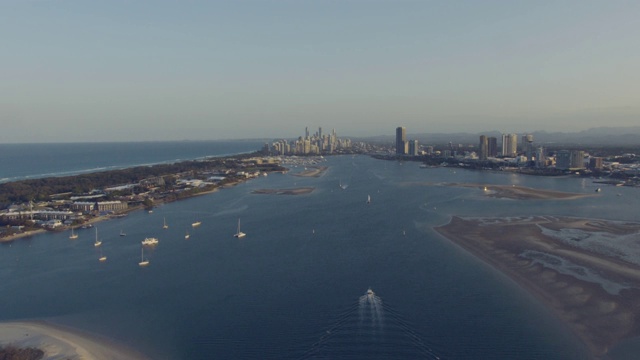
75,71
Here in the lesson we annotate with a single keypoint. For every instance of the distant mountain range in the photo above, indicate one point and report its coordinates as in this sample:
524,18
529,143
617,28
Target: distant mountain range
594,136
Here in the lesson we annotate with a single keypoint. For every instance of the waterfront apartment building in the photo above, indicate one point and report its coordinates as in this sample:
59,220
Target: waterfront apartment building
577,159
39,214
509,145
527,146
111,206
83,206
413,148
89,206
401,140
541,160
595,163
570,160
492,146
483,151
563,159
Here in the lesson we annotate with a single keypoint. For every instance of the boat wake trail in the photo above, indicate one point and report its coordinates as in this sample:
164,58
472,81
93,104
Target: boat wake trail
367,329
370,312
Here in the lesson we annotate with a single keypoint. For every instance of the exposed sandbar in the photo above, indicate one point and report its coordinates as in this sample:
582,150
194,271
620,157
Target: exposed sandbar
20,235
62,343
296,191
511,191
522,192
315,171
580,268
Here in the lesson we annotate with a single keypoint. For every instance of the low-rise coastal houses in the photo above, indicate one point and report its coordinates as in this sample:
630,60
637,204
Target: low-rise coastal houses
75,207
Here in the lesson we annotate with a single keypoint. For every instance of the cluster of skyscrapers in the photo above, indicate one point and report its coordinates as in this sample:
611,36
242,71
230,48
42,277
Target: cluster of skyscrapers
317,143
488,146
524,153
564,159
404,146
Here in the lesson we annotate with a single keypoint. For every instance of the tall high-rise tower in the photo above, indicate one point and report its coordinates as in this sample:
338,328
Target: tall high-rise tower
492,147
484,147
509,145
527,146
401,140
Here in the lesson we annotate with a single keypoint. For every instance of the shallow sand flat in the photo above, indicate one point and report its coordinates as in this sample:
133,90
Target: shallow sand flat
296,191
61,343
597,296
522,192
510,191
312,171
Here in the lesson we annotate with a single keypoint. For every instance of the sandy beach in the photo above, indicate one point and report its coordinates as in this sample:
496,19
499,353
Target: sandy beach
296,191
587,271
62,343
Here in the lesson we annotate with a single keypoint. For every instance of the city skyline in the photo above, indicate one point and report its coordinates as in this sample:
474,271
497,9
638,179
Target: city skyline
116,71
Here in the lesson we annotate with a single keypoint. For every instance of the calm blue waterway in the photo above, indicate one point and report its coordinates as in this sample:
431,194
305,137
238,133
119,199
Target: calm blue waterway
294,287
26,161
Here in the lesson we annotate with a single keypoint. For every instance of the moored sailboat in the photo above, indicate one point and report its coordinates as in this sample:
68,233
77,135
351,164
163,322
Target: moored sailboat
143,262
73,235
102,256
98,242
239,234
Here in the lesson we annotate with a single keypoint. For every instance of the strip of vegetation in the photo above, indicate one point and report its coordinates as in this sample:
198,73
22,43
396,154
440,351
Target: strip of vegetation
43,189
11,352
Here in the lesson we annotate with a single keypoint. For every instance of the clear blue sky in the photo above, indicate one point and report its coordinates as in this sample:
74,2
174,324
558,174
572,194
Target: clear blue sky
172,70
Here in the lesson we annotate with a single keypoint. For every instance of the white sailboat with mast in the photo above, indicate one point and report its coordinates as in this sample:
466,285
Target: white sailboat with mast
239,234
143,262
73,235
164,223
98,242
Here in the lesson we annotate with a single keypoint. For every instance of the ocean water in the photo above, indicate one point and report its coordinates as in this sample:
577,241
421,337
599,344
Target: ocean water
295,286
27,161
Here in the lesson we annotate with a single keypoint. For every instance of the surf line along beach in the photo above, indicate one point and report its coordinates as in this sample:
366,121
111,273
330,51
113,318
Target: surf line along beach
594,292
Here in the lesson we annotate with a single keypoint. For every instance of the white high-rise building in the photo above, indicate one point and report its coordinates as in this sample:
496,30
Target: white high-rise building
509,145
